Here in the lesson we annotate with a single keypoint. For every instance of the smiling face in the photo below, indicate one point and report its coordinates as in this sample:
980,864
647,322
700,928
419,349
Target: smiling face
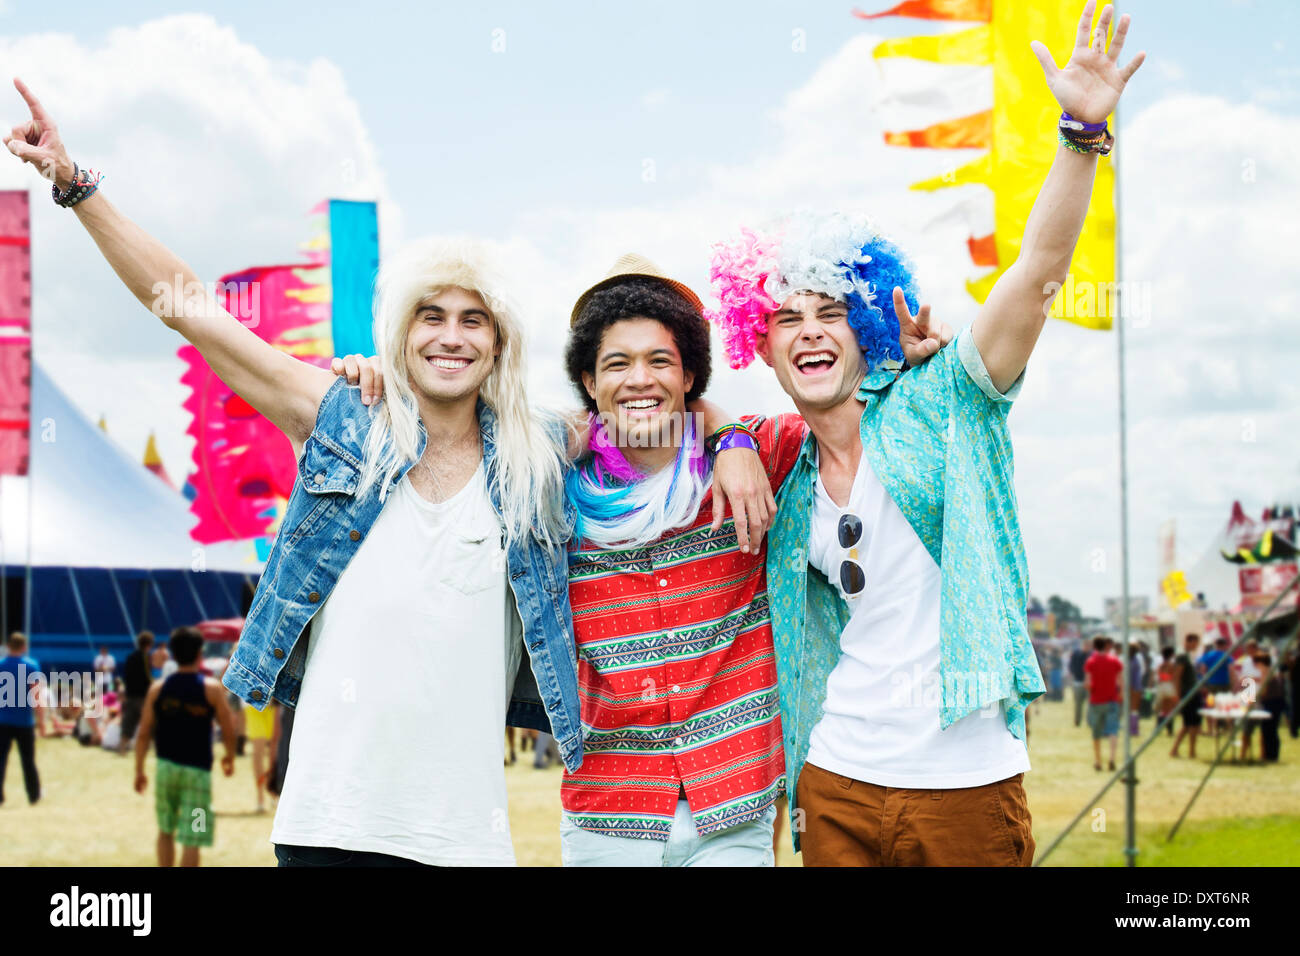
451,345
813,350
640,383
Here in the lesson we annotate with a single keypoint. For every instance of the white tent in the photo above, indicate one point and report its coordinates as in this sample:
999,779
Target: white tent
88,504
1216,578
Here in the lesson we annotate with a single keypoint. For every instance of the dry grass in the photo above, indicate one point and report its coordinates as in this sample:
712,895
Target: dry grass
90,816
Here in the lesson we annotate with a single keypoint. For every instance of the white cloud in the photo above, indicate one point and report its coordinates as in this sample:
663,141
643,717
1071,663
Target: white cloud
207,144
656,99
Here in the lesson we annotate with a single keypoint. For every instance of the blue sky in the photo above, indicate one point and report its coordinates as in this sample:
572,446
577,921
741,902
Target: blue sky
218,131
559,116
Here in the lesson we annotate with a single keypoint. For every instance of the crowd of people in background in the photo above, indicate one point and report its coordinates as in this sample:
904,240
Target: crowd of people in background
163,696
1266,679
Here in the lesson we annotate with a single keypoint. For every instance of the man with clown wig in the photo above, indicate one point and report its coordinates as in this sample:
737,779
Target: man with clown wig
896,571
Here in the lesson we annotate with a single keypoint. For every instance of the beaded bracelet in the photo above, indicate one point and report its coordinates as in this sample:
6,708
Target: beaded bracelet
734,435
1084,137
1099,144
84,183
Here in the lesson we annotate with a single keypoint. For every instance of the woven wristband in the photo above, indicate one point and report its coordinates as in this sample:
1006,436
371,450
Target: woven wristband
84,183
732,436
1090,144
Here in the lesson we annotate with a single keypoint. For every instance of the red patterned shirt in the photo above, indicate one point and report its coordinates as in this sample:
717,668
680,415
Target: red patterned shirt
676,674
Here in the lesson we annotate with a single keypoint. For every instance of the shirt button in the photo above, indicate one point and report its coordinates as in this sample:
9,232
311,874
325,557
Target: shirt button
278,652
663,582
354,535
677,741
320,478
256,695
313,597
676,689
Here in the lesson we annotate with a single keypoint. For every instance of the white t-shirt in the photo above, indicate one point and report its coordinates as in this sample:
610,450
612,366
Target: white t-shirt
880,723
398,739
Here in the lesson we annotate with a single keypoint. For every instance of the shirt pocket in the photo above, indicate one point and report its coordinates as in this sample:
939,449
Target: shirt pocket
330,480
474,560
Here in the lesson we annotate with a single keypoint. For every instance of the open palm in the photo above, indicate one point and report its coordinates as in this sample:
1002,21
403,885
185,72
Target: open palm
1092,81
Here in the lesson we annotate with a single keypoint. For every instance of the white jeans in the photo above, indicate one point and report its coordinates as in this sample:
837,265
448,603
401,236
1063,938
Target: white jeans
745,844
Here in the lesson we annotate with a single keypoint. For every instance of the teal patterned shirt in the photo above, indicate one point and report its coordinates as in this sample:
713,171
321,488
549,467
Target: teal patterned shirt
936,437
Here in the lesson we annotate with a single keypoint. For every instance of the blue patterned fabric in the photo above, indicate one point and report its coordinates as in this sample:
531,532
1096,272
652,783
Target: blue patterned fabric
936,437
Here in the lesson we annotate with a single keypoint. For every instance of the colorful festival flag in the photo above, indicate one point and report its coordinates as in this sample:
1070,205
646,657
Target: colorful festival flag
983,88
244,467
15,331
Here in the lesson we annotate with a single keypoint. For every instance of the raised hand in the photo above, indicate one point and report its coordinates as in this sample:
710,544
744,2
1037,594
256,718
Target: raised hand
1092,81
37,141
918,336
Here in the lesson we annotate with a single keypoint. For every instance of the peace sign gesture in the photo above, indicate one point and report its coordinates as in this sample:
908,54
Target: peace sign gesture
37,142
916,335
1091,83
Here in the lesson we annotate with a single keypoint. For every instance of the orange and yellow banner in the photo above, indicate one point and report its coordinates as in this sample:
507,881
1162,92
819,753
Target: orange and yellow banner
1017,125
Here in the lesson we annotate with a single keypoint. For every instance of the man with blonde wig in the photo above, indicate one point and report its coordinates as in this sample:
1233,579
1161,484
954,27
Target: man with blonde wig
421,550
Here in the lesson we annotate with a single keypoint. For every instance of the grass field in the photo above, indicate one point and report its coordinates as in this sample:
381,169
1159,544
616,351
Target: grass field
1248,814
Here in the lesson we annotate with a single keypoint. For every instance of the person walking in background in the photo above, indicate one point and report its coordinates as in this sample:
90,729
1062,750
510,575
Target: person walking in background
1103,672
105,663
259,729
1292,669
1055,674
280,750
136,678
1272,698
18,713
1215,663
1137,672
545,751
1185,677
1166,687
179,712
157,661
1078,678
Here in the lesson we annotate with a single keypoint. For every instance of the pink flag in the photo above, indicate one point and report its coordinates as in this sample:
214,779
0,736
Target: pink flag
244,466
15,331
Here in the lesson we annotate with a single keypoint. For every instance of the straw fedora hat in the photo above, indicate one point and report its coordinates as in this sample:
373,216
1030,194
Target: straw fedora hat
633,266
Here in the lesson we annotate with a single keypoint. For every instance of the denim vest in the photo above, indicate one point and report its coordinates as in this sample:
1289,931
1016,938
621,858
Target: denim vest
324,524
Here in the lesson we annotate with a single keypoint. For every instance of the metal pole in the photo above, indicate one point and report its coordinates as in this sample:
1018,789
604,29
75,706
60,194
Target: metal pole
1214,765
1130,781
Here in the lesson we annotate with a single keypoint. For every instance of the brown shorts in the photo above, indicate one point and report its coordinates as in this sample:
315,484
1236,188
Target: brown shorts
850,823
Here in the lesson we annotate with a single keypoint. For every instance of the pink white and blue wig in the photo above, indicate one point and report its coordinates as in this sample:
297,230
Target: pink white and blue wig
843,257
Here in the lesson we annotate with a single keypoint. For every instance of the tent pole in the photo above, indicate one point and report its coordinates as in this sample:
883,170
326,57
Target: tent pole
194,592
81,607
121,603
225,592
157,591
27,574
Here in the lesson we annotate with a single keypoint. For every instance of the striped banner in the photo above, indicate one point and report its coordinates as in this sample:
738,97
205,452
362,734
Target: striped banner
15,331
982,88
